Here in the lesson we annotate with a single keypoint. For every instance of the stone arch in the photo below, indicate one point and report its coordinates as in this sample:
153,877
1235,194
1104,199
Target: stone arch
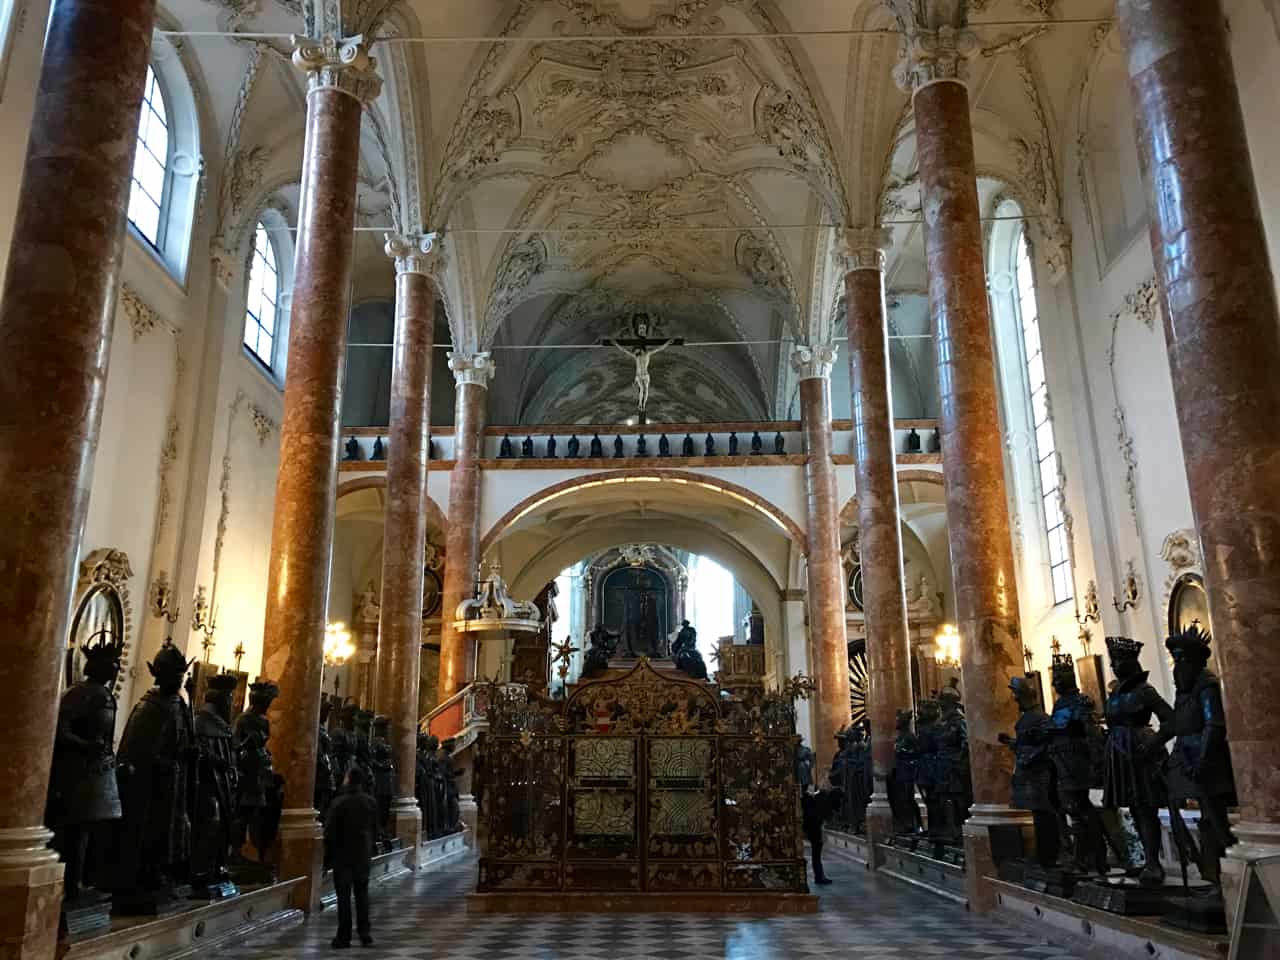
435,515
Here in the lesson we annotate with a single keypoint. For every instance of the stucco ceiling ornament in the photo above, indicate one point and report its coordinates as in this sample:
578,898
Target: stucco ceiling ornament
143,318
1181,550
338,64
814,361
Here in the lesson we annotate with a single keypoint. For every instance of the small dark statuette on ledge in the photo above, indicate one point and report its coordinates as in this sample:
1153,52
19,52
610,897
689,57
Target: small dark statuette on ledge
597,448
733,444
757,444
664,446
353,450
572,448
504,449
935,442
710,446
379,450
617,447
526,447
913,441
433,452
779,444
686,448
551,448
642,449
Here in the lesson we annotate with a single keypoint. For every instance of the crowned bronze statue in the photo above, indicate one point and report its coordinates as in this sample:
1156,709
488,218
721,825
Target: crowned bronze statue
156,759
1200,766
83,793
1033,770
1133,770
902,781
217,787
952,780
851,774
258,800
684,651
927,731
362,753
1076,748
384,771
452,820
325,783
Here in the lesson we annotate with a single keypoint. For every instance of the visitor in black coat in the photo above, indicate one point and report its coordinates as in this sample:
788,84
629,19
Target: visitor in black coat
817,806
350,832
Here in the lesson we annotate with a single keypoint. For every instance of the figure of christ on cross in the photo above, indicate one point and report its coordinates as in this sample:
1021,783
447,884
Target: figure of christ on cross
641,349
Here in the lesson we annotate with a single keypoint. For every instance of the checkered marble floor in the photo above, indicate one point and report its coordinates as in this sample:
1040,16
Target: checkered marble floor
862,917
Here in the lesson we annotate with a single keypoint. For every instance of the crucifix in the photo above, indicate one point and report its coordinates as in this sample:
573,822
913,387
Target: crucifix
641,349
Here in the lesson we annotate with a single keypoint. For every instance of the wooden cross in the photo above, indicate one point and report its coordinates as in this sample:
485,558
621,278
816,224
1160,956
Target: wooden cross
641,348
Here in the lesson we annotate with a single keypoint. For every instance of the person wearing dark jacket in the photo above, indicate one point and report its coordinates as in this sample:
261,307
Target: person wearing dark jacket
350,831
817,806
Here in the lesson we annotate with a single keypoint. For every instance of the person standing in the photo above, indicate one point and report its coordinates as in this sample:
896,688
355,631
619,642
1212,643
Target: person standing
350,832
816,806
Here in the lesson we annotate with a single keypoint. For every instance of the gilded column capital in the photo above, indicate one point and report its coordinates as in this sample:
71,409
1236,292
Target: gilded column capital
864,248
477,368
814,362
338,64
415,252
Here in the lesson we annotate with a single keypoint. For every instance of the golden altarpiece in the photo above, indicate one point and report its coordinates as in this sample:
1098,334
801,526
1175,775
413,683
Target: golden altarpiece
646,783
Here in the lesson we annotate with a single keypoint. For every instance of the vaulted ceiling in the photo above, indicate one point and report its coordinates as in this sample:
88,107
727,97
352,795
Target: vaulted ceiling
675,157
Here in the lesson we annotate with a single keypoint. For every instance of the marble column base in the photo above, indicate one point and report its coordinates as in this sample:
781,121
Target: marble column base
302,855
30,894
406,822
1255,841
991,832
879,829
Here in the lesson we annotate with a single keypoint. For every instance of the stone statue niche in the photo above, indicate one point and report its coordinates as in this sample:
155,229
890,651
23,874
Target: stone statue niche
157,773
84,797
259,796
217,787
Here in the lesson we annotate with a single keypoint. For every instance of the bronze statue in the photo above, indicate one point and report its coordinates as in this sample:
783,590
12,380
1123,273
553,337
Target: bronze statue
325,783
573,447
1076,748
1200,765
424,783
258,800
686,446
684,650
451,822
504,448
902,781
83,793
757,444
602,646
353,450
216,789
526,447
926,766
363,747
156,760
596,450
343,742
1033,771
384,771
952,780
1133,771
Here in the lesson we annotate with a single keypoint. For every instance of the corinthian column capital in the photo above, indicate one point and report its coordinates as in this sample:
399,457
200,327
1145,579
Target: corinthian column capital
415,252
338,64
814,362
936,42
477,368
864,248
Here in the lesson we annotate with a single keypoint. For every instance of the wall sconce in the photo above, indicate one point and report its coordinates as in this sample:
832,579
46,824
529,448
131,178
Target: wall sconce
162,607
1130,589
338,648
204,621
946,649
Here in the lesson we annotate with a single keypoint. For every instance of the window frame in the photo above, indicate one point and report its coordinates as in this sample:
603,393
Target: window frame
262,230
163,204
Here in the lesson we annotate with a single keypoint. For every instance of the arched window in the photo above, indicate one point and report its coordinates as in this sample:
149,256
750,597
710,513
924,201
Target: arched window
1027,415
262,298
150,190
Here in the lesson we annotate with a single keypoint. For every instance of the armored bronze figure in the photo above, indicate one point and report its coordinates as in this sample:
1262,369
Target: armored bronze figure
952,779
602,646
1200,765
156,768
452,814
363,751
1033,772
902,782
1077,748
926,767
384,771
216,791
343,741
684,650
1133,771
325,783
83,793
258,802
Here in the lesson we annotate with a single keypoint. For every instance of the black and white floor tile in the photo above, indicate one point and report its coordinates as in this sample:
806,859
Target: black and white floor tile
861,918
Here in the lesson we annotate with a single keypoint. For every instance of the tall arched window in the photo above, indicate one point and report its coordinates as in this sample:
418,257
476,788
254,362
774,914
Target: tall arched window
1046,448
149,195
262,300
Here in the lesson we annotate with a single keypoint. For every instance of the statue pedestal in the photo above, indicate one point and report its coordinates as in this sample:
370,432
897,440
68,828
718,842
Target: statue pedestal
88,915
1128,898
406,821
31,888
302,856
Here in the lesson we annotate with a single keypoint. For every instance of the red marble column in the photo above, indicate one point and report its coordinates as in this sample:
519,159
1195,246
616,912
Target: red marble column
462,543
306,488
405,531
55,335
972,455
829,645
1222,325
880,534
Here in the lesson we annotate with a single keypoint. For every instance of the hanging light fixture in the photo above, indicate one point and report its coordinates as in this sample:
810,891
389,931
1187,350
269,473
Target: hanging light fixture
946,646
338,648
